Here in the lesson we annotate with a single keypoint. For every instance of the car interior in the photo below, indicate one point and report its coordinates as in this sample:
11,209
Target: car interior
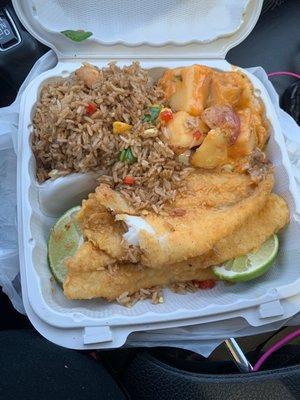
161,372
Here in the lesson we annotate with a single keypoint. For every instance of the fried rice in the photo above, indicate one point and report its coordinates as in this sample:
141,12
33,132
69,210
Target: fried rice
66,138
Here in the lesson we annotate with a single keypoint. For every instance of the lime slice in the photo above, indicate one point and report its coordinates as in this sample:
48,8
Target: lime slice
250,266
65,238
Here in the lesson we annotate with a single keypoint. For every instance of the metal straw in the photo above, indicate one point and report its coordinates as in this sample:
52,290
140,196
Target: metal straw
238,355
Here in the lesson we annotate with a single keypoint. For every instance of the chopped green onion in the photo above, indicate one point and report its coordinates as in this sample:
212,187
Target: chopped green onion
153,114
130,157
122,155
76,36
127,156
146,118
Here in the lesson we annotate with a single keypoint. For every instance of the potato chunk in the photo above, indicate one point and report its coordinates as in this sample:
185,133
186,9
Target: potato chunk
225,89
186,89
246,141
213,151
260,122
185,131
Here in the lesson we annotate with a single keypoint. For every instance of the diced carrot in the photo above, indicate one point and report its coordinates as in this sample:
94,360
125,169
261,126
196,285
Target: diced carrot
166,115
129,180
91,108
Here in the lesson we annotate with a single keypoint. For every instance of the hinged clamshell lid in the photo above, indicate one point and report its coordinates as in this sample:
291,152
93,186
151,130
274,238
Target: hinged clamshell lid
140,28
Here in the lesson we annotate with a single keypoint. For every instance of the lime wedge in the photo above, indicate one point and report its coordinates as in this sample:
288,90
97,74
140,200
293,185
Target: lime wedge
65,238
250,266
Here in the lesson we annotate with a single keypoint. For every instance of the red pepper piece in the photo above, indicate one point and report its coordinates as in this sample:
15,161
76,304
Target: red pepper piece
91,108
129,180
197,135
207,284
166,115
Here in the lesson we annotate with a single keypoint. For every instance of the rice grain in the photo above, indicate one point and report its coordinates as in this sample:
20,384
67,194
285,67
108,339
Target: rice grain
66,138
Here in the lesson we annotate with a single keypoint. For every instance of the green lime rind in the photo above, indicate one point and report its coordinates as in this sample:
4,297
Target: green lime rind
64,239
251,266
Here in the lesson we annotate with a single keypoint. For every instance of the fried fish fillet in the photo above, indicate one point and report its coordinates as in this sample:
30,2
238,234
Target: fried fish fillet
99,226
181,237
86,283
128,278
89,258
215,205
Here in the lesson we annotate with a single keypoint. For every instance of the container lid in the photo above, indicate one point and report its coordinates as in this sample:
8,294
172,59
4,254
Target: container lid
140,28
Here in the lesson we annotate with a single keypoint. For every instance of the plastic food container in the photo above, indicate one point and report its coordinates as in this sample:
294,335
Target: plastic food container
173,37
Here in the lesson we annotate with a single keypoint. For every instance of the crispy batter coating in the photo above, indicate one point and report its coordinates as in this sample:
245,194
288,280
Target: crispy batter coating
179,238
100,228
214,205
89,258
88,282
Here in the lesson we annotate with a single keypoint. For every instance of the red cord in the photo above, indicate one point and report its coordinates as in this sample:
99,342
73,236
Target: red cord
282,73
282,342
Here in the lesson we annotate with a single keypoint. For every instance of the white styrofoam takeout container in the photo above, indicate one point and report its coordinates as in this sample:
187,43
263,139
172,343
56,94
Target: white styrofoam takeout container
102,324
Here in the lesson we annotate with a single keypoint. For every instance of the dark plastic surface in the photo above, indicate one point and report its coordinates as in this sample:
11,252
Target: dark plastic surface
290,100
31,368
273,44
16,62
8,33
147,378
